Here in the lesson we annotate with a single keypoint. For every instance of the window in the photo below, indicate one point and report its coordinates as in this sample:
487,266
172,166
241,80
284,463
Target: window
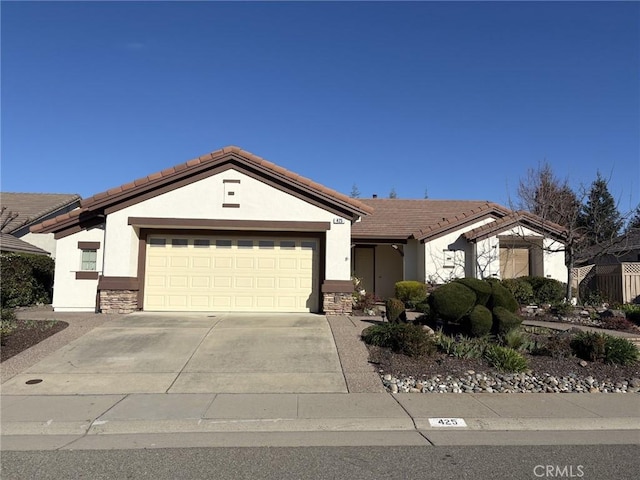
223,243
245,243
287,245
179,242
266,244
89,260
157,242
449,258
201,243
308,245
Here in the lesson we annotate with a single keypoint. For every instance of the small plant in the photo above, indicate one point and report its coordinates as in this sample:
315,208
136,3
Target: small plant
617,323
632,312
546,290
557,345
405,338
602,347
505,359
365,302
514,339
462,347
589,346
562,308
394,310
411,292
620,351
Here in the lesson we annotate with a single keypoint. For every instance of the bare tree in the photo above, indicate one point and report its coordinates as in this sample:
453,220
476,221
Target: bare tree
392,193
6,217
355,193
555,203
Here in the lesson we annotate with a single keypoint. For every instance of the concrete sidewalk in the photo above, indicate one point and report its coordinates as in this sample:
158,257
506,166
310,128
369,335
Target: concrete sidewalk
152,420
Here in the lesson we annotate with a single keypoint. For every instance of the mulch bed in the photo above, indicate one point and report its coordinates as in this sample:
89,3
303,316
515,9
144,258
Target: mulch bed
401,366
28,333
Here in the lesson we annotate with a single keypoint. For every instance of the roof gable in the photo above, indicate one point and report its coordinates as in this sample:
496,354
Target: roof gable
197,169
9,243
514,219
399,219
29,208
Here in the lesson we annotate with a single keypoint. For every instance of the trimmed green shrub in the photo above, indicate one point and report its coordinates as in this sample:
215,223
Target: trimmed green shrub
504,321
595,346
501,297
547,290
394,310
26,279
481,288
479,322
562,308
452,301
521,289
411,292
404,338
505,359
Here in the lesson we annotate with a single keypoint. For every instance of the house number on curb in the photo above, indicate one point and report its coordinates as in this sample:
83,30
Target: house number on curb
447,422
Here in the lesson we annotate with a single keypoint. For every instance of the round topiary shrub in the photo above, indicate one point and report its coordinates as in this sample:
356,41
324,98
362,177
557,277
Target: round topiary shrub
504,320
452,301
547,290
394,310
501,297
521,289
479,322
481,288
411,292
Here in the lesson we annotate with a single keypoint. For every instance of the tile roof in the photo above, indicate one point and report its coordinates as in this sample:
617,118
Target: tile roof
421,219
204,162
519,217
9,243
31,207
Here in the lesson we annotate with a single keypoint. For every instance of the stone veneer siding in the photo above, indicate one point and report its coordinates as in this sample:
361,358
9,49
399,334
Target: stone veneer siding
337,303
118,301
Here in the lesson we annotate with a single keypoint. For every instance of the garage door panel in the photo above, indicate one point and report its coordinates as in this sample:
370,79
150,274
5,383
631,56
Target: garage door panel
231,274
222,282
200,282
201,262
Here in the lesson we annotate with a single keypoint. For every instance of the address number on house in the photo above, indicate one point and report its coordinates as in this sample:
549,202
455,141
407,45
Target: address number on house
447,422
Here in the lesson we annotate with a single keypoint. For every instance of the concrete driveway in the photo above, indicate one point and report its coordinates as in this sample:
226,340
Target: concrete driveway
192,353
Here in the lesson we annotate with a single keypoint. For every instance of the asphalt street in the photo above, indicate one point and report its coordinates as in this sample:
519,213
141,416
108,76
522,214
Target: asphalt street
621,462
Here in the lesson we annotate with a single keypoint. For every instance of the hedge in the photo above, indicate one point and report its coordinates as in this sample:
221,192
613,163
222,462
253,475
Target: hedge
26,279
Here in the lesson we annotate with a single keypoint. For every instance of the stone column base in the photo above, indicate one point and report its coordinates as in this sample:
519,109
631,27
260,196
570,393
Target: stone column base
337,303
118,301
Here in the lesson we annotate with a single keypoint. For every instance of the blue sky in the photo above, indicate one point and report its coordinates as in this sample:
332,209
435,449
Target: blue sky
459,99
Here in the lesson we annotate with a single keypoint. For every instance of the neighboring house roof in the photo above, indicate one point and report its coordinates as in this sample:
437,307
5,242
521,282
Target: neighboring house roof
617,247
518,218
9,243
29,208
229,157
399,219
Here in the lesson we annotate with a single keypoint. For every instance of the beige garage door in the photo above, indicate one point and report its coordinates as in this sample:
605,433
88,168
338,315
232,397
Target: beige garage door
231,273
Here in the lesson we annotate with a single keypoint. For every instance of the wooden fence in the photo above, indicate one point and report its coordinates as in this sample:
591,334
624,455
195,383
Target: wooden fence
619,283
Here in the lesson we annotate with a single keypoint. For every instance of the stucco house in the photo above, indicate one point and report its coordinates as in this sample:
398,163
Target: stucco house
434,241
228,231
20,211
